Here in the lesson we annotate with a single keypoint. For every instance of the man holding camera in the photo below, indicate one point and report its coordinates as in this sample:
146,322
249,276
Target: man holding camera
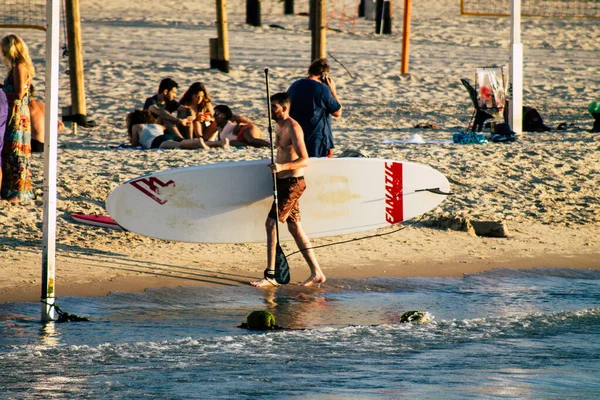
314,101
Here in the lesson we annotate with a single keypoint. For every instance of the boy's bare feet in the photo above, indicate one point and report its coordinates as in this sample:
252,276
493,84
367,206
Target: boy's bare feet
314,279
265,283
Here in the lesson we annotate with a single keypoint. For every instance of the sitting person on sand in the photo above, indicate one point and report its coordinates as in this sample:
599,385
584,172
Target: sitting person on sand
37,110
240,131
195,105
143,130
163,104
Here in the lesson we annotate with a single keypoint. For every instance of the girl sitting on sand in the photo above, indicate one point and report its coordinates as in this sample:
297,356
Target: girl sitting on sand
143,130
195,104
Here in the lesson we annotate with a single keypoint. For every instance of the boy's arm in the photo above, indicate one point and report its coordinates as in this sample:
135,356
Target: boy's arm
239,119
165,115
135,135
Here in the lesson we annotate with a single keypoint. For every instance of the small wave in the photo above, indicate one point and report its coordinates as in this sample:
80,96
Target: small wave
289,345
386,285
566,273
524,326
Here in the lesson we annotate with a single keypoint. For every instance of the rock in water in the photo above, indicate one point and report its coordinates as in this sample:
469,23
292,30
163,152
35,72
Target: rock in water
415,316
260,321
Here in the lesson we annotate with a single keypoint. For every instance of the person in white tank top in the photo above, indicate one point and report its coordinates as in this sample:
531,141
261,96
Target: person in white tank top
148,133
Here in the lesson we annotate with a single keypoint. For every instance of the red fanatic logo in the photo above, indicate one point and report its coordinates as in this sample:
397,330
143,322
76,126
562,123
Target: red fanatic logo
151,187
393,193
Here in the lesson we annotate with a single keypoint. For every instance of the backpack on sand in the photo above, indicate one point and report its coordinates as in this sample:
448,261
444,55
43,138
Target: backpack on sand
532,121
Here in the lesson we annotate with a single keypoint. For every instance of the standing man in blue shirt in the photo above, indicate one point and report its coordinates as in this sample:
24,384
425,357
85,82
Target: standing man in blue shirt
314,101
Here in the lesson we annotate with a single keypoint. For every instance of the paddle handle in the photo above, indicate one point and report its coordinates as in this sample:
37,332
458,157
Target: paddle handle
272,153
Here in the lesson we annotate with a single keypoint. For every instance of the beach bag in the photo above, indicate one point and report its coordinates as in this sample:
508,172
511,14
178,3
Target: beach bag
532,121
469,138
502,134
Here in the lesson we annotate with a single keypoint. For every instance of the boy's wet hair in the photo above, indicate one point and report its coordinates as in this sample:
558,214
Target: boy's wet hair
281,98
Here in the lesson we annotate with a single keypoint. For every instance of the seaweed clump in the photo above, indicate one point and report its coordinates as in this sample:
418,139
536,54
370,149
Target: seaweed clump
260,321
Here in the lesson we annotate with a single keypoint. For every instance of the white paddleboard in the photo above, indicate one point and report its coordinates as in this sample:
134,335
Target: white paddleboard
229,202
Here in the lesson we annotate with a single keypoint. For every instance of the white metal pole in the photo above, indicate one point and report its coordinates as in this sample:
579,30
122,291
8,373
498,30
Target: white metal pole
516,68
50,139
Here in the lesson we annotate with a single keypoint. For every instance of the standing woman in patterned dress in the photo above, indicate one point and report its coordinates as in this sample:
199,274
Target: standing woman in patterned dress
16,153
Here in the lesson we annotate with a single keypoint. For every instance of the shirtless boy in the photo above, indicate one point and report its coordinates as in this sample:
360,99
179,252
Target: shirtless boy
290,161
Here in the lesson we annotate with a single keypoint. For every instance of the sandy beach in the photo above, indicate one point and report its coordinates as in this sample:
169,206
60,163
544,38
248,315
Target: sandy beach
543,187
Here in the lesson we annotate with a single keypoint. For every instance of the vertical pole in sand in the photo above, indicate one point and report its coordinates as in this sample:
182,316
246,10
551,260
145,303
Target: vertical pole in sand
405,37
222,37
253,12
288,7
73,21
516,68
50,139
319,33
383,18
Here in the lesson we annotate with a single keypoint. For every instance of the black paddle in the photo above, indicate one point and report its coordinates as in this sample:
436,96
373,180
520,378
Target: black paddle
282,269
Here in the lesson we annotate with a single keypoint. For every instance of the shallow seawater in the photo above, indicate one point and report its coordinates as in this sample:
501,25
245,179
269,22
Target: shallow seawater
526,334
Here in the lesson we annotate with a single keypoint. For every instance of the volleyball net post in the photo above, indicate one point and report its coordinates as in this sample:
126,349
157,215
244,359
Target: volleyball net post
516,69
48,294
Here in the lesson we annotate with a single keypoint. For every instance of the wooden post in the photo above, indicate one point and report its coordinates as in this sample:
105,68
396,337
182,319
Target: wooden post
73,21
405,37
319,31
288,7
213,47
383,19
311,16
222,37
370,7
253,12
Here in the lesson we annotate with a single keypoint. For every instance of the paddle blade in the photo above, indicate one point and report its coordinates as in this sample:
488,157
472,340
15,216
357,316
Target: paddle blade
282,269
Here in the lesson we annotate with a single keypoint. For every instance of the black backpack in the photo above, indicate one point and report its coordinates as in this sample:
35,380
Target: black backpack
532,121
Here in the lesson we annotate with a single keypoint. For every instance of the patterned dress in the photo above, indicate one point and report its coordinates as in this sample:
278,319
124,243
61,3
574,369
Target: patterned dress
16,153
